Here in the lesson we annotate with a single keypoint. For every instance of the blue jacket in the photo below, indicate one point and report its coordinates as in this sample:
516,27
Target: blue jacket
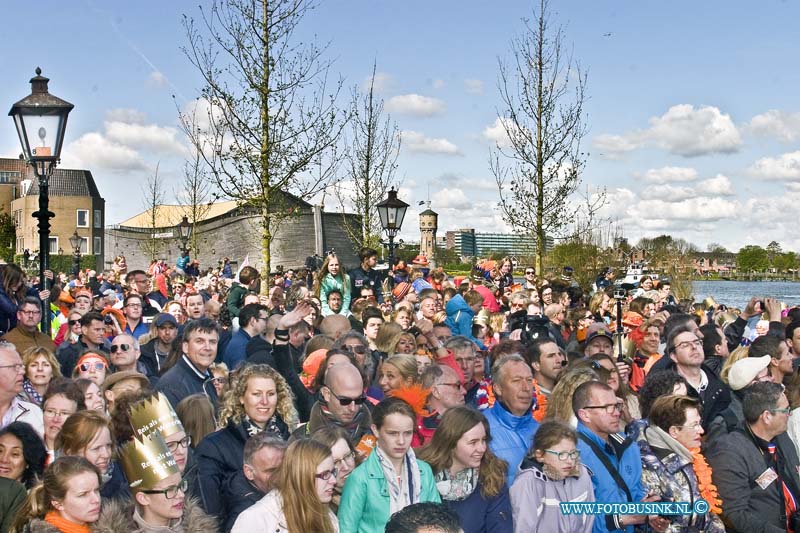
512,436
625,456
183,380
364,507
484,515
236,351
459,318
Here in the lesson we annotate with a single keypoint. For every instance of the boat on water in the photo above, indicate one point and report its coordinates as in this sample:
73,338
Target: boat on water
635,273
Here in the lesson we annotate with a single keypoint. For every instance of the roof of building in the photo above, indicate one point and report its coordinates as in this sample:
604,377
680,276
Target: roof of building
171,215
66,182
429,211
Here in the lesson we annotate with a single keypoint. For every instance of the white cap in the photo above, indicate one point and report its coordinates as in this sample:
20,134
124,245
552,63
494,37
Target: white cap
744,371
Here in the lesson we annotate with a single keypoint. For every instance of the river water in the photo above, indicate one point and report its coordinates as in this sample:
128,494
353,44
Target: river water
737,293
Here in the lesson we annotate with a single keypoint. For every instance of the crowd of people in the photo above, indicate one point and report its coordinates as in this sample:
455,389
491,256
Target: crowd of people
401,401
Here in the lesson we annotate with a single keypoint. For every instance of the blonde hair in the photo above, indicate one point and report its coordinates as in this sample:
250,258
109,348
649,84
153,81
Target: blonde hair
559,405
406,365
738,354
197,416
298,488
388,335
30,355
80,429
232,409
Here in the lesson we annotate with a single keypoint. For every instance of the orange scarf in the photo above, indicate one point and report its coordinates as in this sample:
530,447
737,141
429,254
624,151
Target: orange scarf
707,488
541,403
55,519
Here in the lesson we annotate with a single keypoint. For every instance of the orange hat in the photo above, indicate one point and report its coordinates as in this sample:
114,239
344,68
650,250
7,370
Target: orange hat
311,366
632,319
401,290
89,356
66,297
117,314
84,292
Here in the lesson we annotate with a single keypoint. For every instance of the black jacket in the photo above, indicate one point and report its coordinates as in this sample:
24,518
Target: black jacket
737,460
68,357
182,380
149,357
361,278
244,494
220,456
259,352
715,398
303,399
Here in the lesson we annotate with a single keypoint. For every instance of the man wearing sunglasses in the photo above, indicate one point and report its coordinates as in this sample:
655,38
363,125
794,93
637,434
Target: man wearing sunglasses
26,334
93,338
125,355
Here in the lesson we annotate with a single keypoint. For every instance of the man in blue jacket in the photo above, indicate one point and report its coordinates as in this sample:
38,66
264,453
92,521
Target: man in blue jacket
614,461
511,417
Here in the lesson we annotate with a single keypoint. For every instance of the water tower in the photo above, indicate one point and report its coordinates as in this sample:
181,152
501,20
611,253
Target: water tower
428,224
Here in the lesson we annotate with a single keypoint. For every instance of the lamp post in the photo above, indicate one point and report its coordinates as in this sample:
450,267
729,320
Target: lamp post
42,115
391,212
185,231
75,242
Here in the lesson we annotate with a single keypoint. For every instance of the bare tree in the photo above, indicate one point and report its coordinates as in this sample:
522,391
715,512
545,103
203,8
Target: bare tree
373,145
268,110
538,168
153,201
196,196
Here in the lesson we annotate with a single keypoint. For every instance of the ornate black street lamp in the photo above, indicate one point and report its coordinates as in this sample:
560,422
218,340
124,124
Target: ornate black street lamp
75,241
392,211
184,231
41,119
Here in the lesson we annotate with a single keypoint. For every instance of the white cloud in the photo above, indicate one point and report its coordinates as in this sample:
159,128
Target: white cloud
778,124
683,130
784,167
438,84
718,185
497,132
156,79
473,86
416,105
93,150
418,142
383,82
452,199
690,209
126,115
151,136
670,174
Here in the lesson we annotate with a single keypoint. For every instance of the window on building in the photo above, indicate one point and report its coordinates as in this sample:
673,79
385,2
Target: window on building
98,218
9,176
54,245
20,245
98,246
83,218
84,245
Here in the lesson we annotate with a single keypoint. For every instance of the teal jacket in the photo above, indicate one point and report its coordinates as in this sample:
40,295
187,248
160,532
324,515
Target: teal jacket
364,507
328,284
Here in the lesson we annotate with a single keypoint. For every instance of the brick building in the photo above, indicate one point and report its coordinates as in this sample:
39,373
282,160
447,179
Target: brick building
74,198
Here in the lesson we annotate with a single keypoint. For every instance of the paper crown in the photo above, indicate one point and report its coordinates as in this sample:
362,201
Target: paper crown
154,415
147,461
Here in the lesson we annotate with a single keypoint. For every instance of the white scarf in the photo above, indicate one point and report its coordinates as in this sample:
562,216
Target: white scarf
407,490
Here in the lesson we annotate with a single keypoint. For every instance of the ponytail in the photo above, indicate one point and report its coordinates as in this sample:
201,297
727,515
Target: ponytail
34,506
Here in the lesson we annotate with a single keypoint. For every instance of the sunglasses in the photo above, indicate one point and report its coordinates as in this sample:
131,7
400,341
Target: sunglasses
356,349
347,401
530,272
120,348
74,322
85,367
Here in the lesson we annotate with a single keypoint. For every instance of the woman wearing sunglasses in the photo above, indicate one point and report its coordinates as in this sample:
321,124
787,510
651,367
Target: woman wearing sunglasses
392,478
91,366
257,399
551,473
301,498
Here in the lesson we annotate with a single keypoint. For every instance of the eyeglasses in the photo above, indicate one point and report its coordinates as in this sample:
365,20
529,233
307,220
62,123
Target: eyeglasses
574,455
185,442
85,367
358,349
693,427
784,411
529,272
120,348
76,322
134,306
18,367
52,413
349,458
347,401
326,475
609,408
686,344
170,492
31,312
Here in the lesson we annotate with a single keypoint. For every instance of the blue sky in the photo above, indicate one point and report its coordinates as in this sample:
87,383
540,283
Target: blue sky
693,119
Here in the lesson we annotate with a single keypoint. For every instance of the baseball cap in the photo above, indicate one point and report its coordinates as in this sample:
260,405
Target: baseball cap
165,318
598,329
745,370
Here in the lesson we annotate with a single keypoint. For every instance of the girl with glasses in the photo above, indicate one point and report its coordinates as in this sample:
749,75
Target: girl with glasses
470,479
256,399
301,498
392,478
345,458
551,473
91,366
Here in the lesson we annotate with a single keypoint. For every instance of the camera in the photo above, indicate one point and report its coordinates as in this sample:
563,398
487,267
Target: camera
533,326
620,293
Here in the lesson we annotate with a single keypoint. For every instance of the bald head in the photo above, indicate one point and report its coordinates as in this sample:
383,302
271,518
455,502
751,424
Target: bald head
334,326
343,375
343,383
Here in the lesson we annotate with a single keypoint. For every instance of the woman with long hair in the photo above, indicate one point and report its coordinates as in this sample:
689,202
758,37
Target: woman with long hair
257,399
197,416
550,474
630,410
62,399
332,275
41,367
12,292
67,501
301,498
391,478
92,395
397,371
599,306
88,434
22,454
471,480
345,458
559,405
